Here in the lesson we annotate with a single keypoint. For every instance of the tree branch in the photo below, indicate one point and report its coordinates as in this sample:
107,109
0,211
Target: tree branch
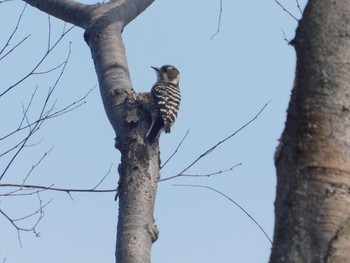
13,32
219,22
177,148
232,201
298,5
67,10
53,114
58,189
200,175
43,115
104,177
33,227
207,152
37,65
285,10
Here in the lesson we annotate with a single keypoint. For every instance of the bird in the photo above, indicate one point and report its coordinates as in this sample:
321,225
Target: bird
165,101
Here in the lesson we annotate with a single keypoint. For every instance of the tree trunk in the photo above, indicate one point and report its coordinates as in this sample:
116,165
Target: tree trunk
312,207
127,113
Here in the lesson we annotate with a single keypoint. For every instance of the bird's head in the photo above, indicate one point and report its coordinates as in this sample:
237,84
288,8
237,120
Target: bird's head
168,73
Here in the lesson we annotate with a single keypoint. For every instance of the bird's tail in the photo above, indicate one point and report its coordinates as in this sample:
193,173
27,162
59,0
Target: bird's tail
154,130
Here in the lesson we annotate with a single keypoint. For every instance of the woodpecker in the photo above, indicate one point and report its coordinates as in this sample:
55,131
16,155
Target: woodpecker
165,99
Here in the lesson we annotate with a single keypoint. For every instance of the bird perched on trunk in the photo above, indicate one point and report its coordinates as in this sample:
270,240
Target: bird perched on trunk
165,95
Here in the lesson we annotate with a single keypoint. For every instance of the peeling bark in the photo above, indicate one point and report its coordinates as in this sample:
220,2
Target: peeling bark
312,207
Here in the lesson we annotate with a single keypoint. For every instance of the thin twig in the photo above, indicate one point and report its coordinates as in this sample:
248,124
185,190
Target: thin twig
15,30
64,27
33,213
27,193
298,5
25,112
23,143
52,115
177,148
34,144
284,9
28,174
14,225
49,33
31,229
37,164
15,46
200,175
219,22
285,37
104,177
42,116
21,146
39,63
220,142
231,200
49,70
51,188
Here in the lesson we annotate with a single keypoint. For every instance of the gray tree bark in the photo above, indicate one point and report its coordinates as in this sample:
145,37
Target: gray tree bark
127,113
312,208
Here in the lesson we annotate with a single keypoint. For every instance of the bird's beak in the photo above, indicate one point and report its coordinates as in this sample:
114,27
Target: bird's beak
156,69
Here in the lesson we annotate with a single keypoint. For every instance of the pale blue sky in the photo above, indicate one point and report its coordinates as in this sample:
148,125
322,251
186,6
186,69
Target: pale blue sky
224,83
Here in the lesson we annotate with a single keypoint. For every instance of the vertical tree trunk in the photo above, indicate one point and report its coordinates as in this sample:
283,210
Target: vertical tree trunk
127,113
139,168
312,208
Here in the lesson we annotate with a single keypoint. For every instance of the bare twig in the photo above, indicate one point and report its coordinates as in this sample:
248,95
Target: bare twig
298,5
232,201
42,117
200,175
219,22
52,115
207,152
29,173
104,177
20,147
44,114
37,164
15,30
284,9
14,225
74,105
49,33
33,227
33,213
285,37
15,46
51,188
25,111
39,63
51,90
49,70
177,148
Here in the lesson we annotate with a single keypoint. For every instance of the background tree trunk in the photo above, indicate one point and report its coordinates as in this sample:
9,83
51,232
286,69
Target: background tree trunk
312,208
